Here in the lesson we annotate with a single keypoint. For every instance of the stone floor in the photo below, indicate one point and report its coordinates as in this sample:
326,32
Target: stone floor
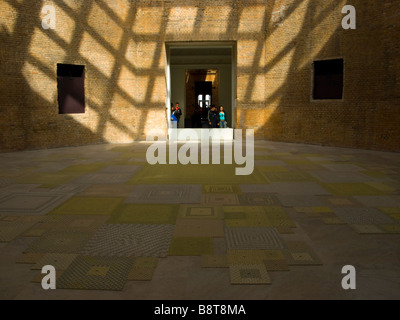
115,227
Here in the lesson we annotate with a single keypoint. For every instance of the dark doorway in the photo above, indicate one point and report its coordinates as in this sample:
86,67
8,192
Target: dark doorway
71,88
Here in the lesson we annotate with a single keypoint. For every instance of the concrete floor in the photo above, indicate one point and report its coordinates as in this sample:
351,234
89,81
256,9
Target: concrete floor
343,204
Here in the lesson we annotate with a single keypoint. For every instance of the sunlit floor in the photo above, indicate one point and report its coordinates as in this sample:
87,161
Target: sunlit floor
115,227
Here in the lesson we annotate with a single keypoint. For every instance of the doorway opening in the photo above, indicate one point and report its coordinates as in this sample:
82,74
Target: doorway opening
198,76
201,95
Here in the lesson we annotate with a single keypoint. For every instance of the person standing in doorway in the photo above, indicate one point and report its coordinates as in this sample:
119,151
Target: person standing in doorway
174,120
212,117
222,117
177,113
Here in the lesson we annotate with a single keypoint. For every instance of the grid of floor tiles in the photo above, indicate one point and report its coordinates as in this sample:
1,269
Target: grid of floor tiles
104,216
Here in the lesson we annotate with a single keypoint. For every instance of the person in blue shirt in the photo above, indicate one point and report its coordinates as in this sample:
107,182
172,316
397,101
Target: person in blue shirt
222,117
174,120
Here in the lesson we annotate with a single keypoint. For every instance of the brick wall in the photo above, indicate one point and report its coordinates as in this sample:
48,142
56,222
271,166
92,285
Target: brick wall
122,45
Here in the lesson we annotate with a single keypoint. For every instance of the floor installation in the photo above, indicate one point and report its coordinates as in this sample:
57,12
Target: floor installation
115,227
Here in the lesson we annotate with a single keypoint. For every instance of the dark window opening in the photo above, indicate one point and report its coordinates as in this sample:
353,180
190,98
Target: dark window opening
328,79
71,88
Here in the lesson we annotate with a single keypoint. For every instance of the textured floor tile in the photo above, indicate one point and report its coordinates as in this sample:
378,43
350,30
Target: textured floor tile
273,255
59,242
145,214
343,167
108,190
165,194
200,212
252,238
88,205
339,177
249,274
276,265
299,201
72,223
219,199
258,199
332,220
9,230
219,245
287,188
121,169
130,240
384,187
302,256
287,176
193,174
199,228
29,258
34,203
378,201
362,216
96,273
143,269
58,260
191,246
390,228
214,261
140,274
49,179
269,163
89,167
146,262
351,189
367,229
101,178
340,201
221,188
245,257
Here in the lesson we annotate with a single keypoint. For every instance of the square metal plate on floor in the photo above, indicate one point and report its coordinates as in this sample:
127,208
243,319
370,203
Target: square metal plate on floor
249,274
221,188
190,246
251,238
31,203
362,216
219,199
299,257
190,193
199,228
89,205
200,212
258,199
96,273
59,242
140,274
145,214
130,240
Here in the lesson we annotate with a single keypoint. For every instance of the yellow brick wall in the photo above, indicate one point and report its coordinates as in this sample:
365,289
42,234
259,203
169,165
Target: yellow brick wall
122,45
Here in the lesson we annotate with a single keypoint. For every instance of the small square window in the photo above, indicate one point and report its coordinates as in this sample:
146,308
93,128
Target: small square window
328,79
71,88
